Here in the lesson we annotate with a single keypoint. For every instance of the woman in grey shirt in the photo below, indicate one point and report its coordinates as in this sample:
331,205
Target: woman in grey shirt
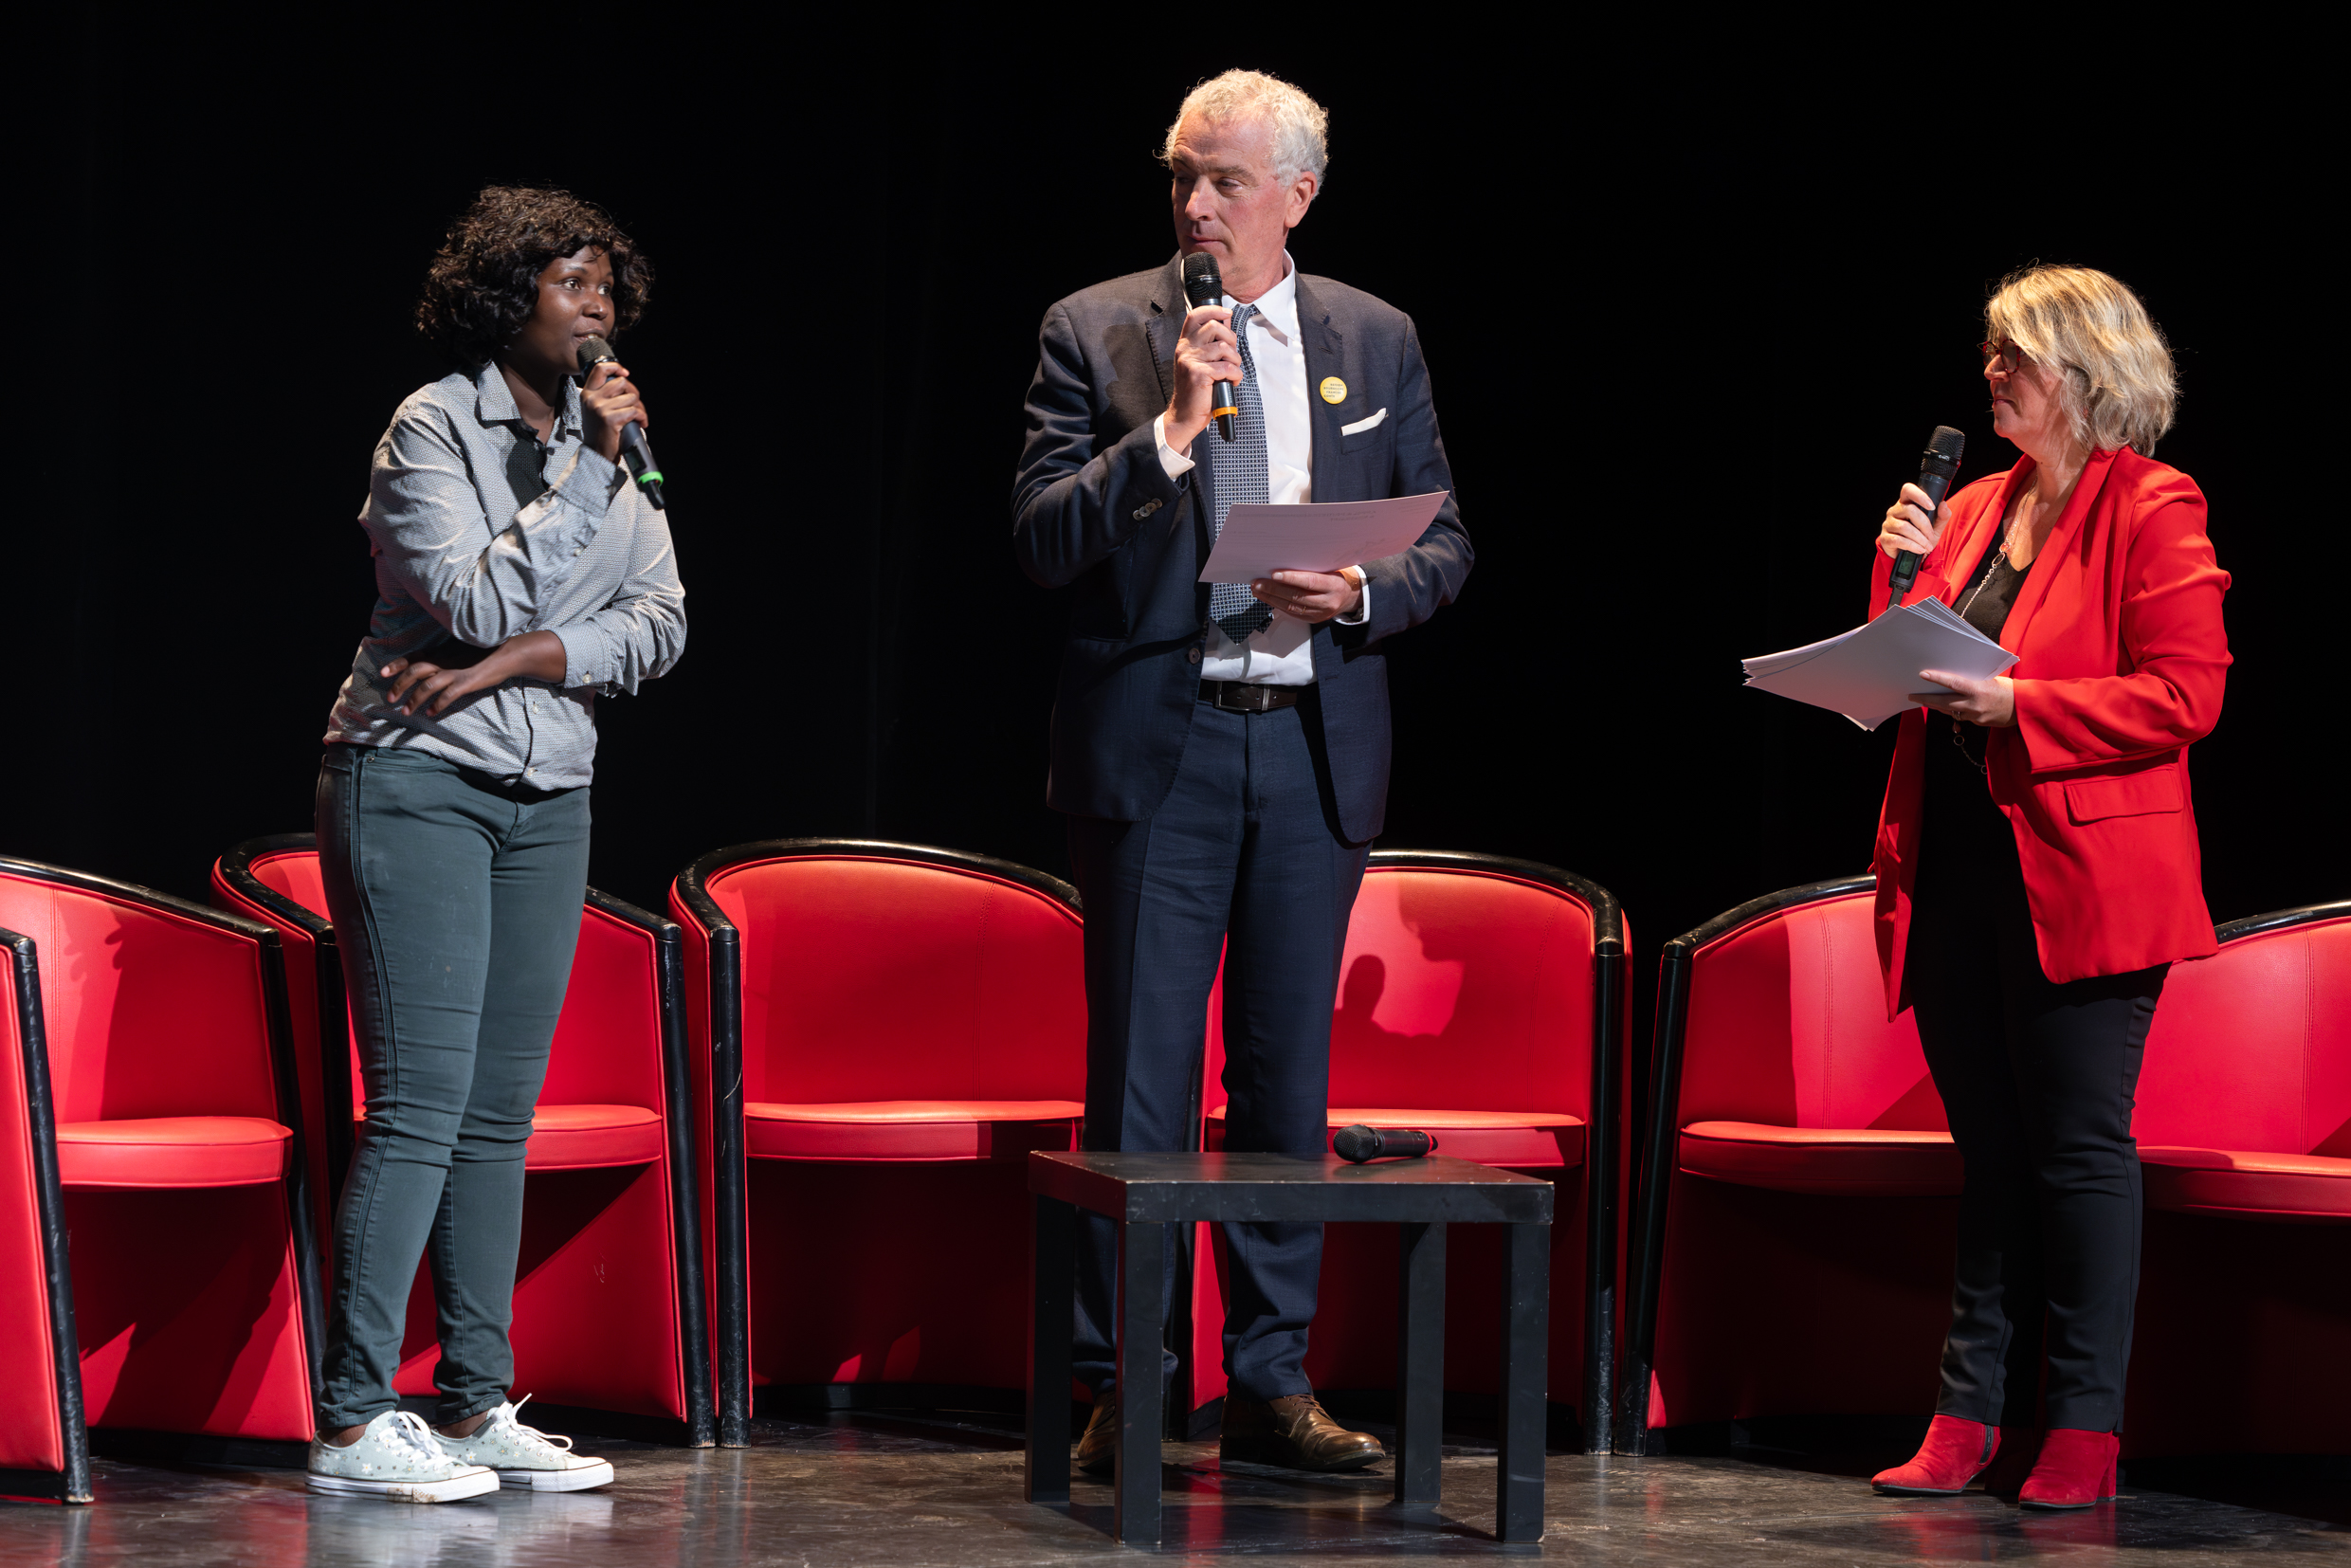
519,574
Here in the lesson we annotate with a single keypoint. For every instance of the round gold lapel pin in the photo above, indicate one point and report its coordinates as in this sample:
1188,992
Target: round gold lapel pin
1334,389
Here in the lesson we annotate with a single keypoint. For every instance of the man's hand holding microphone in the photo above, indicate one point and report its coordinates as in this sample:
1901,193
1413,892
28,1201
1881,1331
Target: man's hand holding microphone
1208,354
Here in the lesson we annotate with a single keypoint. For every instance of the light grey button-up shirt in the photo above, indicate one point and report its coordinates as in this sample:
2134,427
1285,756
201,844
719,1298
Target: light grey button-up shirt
481,534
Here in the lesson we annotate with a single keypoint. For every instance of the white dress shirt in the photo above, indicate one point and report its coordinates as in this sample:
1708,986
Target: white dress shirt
1280,653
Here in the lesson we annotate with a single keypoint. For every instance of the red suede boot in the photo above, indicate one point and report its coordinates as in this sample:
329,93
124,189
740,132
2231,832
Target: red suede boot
1954,1453
2076,1468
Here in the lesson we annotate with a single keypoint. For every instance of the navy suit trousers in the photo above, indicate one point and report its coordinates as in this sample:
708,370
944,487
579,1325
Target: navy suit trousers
1244,860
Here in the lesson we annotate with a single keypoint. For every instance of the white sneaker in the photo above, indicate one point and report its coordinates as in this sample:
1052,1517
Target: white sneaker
524,1456
395,1457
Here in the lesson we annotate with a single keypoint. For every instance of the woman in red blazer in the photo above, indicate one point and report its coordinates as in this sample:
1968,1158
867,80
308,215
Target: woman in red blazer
2037,864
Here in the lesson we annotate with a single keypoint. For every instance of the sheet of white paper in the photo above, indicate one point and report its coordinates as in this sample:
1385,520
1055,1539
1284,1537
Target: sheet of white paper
1869,673
1317,536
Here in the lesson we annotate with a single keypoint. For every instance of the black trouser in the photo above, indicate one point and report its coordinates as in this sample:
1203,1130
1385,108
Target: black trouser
2039,1080
1244,859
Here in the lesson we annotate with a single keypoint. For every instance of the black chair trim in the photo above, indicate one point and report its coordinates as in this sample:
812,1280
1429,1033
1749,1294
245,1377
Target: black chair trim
237,869
326,991
1607,920
684,1180
71,1484
1601,1133
1661,1143
2279,919
730,1353
309,1291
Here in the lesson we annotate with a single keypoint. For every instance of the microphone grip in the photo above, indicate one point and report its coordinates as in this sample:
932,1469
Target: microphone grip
637,453
1937,485
1358,1143
1226,403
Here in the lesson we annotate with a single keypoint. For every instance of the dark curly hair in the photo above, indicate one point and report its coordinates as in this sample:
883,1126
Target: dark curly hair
483,282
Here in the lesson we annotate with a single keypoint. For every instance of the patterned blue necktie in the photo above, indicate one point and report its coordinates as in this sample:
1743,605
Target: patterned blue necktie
1237,471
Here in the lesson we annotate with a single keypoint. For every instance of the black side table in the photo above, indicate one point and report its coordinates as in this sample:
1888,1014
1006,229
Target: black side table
1146,1193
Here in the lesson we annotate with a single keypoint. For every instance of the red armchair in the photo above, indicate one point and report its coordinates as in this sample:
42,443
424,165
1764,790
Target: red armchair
1795,1221
2244,1131
882,1031
608,1310
44,1448
1480,998
179,1159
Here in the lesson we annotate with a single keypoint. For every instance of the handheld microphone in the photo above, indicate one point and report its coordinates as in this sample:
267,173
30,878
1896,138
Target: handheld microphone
1358,1143
1204,285
1938,467
634,451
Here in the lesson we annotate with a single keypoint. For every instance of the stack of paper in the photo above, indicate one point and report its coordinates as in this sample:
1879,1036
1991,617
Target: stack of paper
1869,673
1259,539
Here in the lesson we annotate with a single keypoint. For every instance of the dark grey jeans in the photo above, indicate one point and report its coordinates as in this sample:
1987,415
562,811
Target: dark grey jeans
455,904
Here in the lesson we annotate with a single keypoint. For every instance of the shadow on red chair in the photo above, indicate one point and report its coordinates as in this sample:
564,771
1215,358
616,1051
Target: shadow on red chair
1794,1226
44,1448
608,1308
2243,1129
180,1162
882,1032
1480,999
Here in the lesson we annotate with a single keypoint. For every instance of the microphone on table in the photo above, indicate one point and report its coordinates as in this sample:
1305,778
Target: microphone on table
634,450
1938,467
1358,1143
1204,285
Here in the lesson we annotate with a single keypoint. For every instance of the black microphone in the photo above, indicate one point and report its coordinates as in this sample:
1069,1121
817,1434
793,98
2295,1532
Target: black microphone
634,450
1205,285
1938,467
1358,1143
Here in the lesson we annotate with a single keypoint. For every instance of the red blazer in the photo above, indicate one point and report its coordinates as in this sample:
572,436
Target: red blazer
2121,661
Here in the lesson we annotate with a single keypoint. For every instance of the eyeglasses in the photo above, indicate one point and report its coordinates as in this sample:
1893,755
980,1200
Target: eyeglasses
2005,351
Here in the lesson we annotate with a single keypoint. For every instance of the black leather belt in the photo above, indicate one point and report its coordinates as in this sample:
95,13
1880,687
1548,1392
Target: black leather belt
1250,697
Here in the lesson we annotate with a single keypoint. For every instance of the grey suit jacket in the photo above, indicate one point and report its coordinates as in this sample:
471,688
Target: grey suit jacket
1093,512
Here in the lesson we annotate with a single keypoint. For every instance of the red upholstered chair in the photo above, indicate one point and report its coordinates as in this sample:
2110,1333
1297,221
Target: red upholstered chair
1480,998
2244,1129
44,1449
882,1032
608,1310
1795,1221
196,1283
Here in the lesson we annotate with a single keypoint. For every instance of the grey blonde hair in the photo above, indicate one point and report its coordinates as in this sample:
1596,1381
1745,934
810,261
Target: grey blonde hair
1301,126
2118,389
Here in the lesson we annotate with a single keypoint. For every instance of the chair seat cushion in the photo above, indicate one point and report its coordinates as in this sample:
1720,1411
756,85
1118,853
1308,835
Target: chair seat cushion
2297,1189
579,1138
173,1151
909,1129
572,1138
1519,1139
1861,1162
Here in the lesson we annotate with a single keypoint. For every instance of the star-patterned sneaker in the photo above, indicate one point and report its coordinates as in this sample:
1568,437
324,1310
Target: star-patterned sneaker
524,1456
396,1458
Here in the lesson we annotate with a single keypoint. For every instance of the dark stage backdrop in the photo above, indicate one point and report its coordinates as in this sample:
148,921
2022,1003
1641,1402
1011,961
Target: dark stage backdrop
1689,329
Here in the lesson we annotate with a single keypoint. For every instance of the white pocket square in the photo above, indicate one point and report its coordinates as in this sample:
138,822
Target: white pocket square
1362,425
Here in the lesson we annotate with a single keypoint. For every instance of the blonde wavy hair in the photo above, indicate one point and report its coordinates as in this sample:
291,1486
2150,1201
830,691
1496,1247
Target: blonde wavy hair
2119,387
1301,126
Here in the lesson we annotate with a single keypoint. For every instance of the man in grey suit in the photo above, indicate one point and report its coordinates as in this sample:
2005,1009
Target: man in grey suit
1222,754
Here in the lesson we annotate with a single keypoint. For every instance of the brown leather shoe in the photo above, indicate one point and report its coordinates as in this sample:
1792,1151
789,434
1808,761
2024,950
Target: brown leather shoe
1295,1432
1097,1451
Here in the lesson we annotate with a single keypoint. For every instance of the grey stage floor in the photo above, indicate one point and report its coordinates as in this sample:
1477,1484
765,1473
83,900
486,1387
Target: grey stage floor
910,1493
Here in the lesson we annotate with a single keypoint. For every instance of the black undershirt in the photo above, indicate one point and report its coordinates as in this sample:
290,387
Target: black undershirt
1984,603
